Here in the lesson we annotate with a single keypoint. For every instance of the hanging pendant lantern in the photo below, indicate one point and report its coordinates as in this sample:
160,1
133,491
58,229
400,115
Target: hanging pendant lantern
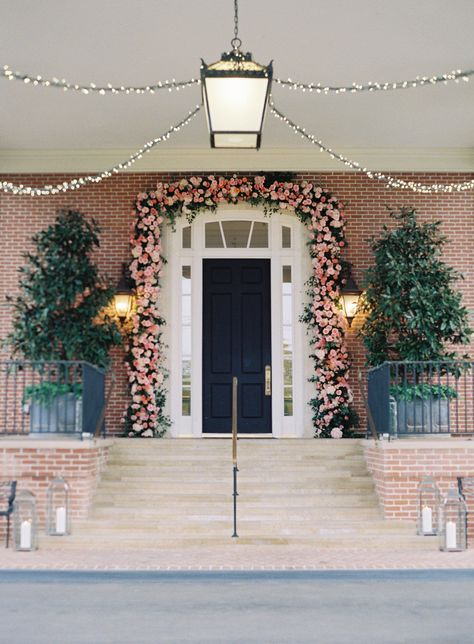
235,93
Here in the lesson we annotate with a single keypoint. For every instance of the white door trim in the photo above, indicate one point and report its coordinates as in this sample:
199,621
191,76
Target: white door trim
296,257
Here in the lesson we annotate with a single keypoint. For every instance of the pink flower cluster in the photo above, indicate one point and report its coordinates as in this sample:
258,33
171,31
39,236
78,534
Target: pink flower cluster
324,218
145,351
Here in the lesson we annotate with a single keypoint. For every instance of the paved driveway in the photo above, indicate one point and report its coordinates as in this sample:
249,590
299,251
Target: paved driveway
332,607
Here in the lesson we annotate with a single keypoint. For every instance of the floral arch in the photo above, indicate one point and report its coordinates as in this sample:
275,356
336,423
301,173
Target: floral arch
323,216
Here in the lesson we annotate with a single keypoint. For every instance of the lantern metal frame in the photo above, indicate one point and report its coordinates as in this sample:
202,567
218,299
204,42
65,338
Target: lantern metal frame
124,288
429,497
25,540
57,500
235,64
349,289
453,538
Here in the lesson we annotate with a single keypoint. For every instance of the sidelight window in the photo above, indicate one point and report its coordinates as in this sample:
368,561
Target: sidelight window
186,340
287,334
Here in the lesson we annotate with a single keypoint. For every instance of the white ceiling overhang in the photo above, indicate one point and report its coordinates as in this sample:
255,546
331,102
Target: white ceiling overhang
140,42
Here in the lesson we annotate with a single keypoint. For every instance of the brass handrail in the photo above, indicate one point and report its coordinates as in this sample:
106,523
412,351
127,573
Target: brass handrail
234,449
234,420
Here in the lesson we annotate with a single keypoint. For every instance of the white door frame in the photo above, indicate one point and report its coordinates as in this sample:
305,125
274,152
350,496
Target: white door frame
297,257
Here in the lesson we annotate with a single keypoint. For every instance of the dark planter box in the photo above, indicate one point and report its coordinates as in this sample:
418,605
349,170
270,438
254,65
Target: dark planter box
63,416
420,416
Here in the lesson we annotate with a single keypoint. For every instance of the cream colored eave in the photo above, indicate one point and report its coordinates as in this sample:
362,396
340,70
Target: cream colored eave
201,159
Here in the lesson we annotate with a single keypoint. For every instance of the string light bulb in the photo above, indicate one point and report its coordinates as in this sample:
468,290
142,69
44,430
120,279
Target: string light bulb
92,88
420,81
74,184
391,182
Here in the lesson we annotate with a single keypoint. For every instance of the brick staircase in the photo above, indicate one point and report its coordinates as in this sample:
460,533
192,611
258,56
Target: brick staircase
176,493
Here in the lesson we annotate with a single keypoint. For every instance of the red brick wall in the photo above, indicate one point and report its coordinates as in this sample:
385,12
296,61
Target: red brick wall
111,204
397,468
34,464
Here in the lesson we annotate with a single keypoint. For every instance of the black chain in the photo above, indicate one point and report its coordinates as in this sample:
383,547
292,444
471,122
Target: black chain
236,42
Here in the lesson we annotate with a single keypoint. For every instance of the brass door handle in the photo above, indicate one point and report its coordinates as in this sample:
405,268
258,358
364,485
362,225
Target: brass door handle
268,380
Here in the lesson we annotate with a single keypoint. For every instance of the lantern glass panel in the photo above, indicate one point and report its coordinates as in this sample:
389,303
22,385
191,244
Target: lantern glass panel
236,104
57,508
123,304
428,507
25,523
350,302
452,534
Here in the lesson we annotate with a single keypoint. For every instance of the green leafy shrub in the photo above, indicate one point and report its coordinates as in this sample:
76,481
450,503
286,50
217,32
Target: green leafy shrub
422,391
46,392
413,310
59,313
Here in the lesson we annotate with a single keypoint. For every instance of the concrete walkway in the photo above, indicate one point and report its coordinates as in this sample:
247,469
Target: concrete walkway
239,556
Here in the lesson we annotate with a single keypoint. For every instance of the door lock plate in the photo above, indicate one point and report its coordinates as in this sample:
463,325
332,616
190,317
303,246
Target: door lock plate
268,380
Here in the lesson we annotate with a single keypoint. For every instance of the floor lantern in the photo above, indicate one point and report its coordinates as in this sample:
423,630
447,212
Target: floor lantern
25,523
429,500
453,528
57,508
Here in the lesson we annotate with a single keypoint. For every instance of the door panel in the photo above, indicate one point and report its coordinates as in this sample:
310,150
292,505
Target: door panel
236,342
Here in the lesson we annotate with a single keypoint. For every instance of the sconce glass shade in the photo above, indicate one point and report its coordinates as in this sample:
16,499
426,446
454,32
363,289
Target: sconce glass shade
25,522
350,295
429,500
58,521
235,93
124,296
453,525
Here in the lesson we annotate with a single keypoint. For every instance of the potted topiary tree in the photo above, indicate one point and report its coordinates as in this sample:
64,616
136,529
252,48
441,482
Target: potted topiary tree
414,313
60,314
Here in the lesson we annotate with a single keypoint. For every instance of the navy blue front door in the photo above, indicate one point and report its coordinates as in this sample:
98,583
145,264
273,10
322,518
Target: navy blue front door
236,342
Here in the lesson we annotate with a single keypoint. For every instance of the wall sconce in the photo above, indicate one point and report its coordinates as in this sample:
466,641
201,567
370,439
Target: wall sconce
124,297
350,294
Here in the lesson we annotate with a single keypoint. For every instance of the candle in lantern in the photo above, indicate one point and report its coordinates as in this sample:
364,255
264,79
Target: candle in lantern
61,520
427,520
451,541
25,535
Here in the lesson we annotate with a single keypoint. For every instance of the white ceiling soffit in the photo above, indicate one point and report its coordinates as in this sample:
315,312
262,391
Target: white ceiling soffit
330,41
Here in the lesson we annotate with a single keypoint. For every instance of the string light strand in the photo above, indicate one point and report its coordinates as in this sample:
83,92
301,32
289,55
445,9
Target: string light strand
74,184
455,76
391,182
92,88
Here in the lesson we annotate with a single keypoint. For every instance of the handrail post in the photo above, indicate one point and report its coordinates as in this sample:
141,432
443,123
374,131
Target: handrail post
234,449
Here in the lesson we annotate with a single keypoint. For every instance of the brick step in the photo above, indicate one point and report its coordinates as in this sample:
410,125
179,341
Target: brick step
245,479
289,511
335,542
330,498
275,470
210,522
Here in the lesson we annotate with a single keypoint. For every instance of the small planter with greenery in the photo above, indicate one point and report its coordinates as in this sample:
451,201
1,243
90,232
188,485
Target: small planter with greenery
61,315
413,314
54,407
421,407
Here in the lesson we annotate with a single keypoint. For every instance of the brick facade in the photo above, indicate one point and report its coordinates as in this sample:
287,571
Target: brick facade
111,204
33,464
